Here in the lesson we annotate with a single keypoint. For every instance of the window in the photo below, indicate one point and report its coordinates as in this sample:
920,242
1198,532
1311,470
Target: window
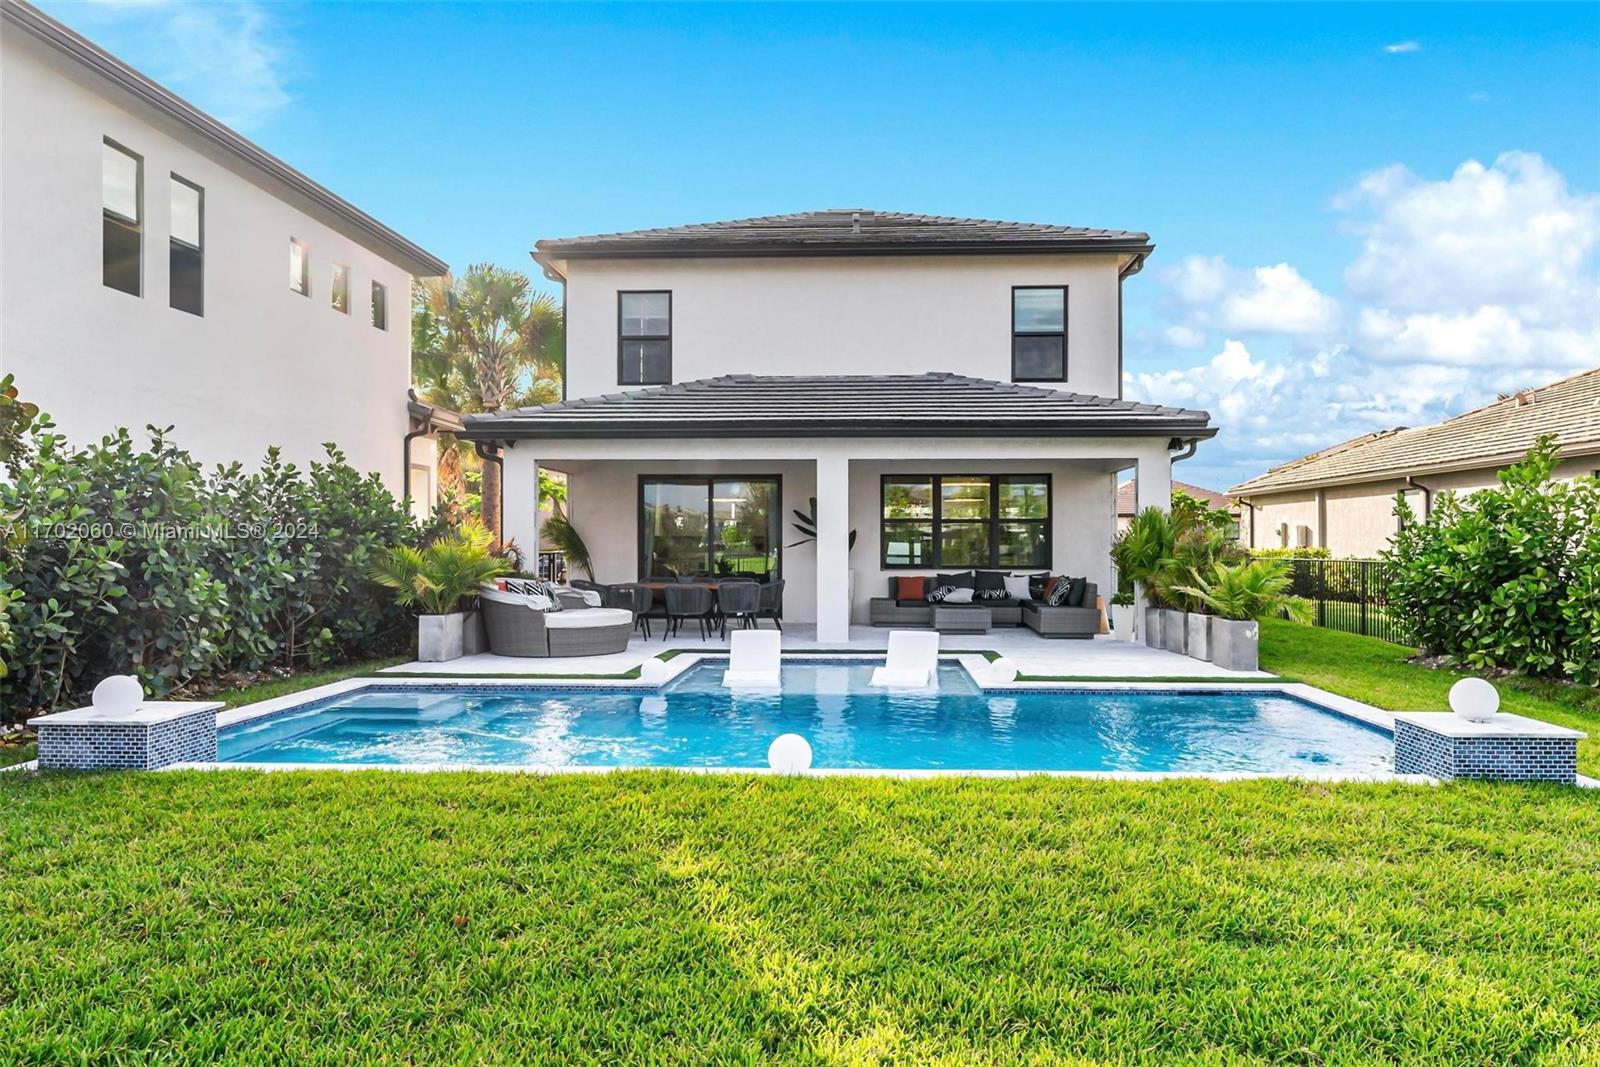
186,248
380,306
719,526
965,520
644,338
299,268
122,218
341,288
1039,334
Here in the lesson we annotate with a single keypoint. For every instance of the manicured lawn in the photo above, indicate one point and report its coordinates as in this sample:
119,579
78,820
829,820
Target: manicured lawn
1376,672
660,917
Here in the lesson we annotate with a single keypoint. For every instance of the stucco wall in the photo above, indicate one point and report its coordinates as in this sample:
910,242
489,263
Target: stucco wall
263,366
843,315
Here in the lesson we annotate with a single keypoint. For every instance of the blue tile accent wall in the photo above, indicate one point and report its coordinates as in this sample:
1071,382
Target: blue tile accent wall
1506,759
128,746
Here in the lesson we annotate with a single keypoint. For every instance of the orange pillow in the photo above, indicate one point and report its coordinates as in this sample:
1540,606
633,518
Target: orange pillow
911,588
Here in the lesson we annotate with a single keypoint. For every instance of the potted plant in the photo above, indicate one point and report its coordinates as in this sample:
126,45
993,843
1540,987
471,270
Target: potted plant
1138,553
440,579
1240,594
1122,616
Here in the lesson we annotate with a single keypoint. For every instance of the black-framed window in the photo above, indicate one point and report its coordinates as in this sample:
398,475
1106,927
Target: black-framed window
1039,333
965,520
644,337
186,248
380,306
718,525
121,218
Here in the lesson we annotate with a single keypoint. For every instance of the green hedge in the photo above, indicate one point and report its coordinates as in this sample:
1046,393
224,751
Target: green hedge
127,559
1507,577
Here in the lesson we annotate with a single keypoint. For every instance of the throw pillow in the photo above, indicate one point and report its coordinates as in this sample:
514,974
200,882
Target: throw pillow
990,594
985,580
1017,587
545,589
1057,594
938,594
911,588
959,596
1038,585
959,580
1080,586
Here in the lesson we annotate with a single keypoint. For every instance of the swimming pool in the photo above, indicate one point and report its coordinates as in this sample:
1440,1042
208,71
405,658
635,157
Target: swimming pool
695,722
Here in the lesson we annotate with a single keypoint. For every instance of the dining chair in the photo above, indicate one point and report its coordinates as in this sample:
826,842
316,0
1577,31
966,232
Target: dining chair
740,600
772,602
688,602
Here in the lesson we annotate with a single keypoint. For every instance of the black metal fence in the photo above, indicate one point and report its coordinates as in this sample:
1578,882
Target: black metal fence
1349,594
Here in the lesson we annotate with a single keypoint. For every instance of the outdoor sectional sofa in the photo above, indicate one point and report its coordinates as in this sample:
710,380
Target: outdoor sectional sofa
516,628
1041,618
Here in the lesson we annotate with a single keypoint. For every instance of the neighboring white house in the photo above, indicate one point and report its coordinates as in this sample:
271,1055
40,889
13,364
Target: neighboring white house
949,389
1343,498
156,267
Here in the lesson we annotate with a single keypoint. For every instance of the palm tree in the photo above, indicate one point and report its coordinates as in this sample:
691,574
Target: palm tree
484,342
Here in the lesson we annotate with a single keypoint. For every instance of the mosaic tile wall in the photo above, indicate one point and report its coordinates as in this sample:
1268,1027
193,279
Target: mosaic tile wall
104,746
1507,759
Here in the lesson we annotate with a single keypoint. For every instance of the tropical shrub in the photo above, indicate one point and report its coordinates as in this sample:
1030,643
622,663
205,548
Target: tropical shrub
1508,577
1309,552
1255,589
120,558
441,576
1163,551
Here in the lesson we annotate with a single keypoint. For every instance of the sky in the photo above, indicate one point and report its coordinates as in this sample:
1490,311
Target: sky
1364,216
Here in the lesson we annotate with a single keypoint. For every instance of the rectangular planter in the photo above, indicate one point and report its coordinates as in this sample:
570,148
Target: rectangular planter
440,637
1122,616
1174,634
474,641
1236,644
1152,627
1199,627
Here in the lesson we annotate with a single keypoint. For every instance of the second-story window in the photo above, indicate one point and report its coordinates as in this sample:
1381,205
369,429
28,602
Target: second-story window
380,306
186,255
122,218
1039,334
341,288
644,338
299,268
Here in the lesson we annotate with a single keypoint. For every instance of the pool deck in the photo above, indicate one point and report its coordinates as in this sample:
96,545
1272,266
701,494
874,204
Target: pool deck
1100,657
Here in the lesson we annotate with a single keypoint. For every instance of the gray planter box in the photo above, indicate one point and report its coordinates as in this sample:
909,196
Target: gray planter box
474,641
1199,627
1152,627
440,637
1174,633
1236,644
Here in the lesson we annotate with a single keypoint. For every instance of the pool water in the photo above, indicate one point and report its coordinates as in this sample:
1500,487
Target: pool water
696,722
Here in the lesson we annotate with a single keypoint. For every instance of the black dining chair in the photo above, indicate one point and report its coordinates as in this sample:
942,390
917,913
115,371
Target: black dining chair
593,587
739,601
688,602
772,603
639,599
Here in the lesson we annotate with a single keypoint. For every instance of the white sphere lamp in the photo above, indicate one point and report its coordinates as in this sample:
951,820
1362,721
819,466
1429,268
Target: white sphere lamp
654,671
120,694
1474,699
789,754
1003,670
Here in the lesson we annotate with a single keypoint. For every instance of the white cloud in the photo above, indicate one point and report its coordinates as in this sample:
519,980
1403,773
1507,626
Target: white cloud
1402,47
1181,336
230,60
1265,300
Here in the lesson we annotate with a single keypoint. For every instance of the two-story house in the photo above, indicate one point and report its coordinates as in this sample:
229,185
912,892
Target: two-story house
948,390
160,268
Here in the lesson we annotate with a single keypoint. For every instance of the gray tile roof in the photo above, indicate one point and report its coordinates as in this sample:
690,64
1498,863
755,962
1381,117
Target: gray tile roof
909,405
1491,436
845,231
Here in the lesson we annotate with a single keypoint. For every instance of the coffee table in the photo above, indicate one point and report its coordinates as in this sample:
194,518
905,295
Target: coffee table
962,620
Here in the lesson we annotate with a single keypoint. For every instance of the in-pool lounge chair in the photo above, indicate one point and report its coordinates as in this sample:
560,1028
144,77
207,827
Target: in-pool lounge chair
755,659
913,658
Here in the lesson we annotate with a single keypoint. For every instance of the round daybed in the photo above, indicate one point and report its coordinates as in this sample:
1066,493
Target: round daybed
516,627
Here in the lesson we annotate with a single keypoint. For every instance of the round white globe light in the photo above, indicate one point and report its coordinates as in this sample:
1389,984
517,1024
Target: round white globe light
1003,670
1474,699
120,694
789,754
654,671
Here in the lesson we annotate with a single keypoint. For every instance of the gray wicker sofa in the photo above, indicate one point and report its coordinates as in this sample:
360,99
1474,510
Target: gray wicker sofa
1041,618
514,628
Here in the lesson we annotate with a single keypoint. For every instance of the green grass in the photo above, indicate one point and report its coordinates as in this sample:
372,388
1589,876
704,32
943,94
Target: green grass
658,917
1376,672
13,754
281,687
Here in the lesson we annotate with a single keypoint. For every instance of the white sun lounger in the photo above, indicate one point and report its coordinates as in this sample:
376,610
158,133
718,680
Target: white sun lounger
913,658
755,659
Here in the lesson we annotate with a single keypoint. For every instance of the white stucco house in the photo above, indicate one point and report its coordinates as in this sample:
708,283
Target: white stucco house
157,267
947,389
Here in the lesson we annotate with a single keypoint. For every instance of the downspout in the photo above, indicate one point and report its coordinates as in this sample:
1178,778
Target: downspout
1427,495
405,448
1194,446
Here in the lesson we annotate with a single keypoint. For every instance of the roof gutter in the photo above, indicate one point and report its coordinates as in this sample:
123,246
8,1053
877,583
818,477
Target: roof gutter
753,250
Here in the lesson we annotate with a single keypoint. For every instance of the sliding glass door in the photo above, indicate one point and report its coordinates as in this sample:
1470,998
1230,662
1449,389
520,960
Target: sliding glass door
710,526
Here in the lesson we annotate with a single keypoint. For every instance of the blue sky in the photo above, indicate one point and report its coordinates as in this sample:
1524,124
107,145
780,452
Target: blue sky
1342,196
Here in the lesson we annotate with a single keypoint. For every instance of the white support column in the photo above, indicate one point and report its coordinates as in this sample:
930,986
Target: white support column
521,520
833,549
1153,481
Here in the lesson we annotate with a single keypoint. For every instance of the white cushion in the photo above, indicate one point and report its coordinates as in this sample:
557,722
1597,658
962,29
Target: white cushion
583,618
526,600
958,596
1017,587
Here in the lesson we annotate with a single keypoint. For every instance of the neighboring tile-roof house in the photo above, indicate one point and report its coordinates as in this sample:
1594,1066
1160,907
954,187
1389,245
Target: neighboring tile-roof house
1493,435
26,17
1126,506
743,405
845,231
